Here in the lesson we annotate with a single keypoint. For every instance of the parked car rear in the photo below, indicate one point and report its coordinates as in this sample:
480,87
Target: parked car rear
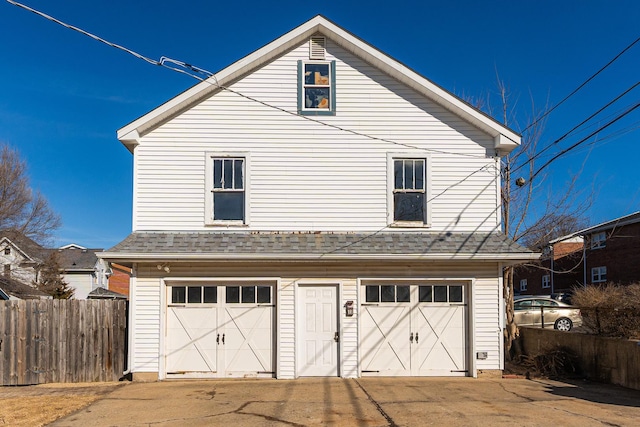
532,312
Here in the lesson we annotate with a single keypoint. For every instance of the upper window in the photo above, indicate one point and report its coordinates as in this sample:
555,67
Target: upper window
523,285
598,240
546,281
409,190
598,274
7,250
226,196
316,87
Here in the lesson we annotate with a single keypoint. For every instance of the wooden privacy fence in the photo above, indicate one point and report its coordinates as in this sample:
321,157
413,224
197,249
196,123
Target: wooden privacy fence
45,341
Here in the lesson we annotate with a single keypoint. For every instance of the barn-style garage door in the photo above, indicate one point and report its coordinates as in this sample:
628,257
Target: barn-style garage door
219,330
418,330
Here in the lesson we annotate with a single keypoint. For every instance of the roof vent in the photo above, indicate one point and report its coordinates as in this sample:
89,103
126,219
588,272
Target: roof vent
316,47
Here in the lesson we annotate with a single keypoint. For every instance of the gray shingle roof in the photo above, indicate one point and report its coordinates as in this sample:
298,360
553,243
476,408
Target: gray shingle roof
230,245
77,259
20,290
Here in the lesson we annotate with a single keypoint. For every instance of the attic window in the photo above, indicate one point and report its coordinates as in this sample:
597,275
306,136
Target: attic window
317,88
7,250
316,47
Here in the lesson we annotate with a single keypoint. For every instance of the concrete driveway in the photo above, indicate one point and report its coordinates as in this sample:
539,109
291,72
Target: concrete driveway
363,402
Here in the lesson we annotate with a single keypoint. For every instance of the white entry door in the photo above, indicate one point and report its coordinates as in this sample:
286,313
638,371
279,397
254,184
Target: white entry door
217,330
318,330
415,330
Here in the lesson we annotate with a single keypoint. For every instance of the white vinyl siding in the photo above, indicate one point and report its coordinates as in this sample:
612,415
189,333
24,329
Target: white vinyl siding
309,176
484,307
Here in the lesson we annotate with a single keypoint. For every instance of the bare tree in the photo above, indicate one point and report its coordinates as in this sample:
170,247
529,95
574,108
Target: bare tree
21,208
50,279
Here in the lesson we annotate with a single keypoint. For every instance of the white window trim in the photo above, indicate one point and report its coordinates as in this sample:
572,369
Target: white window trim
547,283
208,190
598,271
523,285
427,190
598,240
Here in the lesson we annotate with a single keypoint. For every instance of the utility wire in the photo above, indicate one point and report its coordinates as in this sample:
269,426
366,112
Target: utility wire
583,140
165,60
581,86
575,127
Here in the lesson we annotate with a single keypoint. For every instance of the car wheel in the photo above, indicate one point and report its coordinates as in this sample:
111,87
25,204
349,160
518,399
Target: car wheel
563,324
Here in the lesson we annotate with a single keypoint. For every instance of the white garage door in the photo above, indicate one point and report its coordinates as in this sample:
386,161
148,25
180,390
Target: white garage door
219,330
418,330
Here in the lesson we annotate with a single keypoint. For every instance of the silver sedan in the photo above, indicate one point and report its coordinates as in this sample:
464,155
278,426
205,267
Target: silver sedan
532,312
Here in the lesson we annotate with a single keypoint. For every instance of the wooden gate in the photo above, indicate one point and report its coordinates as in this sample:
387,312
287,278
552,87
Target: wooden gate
45,341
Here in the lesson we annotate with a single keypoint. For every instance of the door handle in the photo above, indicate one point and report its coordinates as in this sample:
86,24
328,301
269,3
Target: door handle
218,339
336,337
416,338
411,337
222,338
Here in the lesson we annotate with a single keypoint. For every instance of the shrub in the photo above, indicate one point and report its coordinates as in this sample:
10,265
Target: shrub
610,310
555,362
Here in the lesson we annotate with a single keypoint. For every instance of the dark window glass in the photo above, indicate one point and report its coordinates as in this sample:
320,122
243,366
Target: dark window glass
397,175
264,294
402,293
439,294
388,294
194,294
408,207
408,175
426,294
217,173
419,175
373,293
522,305
210,294
233,294
228,173
228,205
316,98
237,174
178,294
455,293
249,294
316,74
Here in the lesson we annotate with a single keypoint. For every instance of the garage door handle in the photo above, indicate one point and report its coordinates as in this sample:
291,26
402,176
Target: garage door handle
222,338
218,339
336,337
416,338
411,337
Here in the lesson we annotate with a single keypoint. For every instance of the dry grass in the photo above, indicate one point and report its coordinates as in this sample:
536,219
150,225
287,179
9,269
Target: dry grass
40,410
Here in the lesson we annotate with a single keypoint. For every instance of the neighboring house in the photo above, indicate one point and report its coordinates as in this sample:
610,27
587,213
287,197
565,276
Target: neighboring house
611,251
82,269
11,289
119,279
20,256
102,293
316,209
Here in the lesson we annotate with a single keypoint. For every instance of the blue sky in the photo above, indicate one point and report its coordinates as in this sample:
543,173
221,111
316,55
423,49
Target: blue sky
64,95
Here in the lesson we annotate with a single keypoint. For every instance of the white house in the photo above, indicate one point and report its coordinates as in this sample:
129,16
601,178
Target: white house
316,209
82,269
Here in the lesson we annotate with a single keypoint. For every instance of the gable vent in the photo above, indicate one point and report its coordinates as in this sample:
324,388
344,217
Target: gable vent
316,47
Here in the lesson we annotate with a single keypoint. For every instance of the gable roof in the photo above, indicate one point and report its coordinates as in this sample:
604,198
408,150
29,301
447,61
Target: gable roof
27,247
75,259
505,139
209,246
102,293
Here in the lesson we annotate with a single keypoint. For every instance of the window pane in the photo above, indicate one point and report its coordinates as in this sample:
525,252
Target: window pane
264,294
233,294
210,294
439,294
194,294
316,98
178,294
455,293
425,294
217,173
249,294
388,294
397,175
373,293
402,293
408,207
316,74
419,175
227,173
408,174
237,174
228,205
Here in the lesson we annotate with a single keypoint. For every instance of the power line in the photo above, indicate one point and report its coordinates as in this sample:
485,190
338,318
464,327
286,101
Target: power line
583,140
576,127
165,60
581,86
